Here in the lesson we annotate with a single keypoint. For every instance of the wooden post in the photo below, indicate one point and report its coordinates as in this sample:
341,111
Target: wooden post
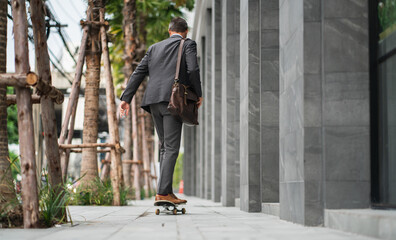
116,168
73,100
139,135
11,99
25,120
154,176
47,106
151,155
106,168
154,144
136,156
146,163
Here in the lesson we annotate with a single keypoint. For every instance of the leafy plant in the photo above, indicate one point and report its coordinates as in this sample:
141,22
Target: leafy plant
15,165
11,214
178,173
12,120
387,13
97,193
53,202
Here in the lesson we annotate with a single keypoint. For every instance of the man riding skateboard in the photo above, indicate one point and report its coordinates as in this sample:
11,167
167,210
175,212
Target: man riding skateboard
159,64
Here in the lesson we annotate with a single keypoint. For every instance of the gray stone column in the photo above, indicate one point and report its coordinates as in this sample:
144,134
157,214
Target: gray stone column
229,101
194,161
197,165
313,158
187,160
216,101
324,108
208,107
201,126
270,100
291,137
250,167
346,114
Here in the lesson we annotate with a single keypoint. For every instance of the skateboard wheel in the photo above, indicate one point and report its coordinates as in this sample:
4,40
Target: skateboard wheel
157,212
183,211
174,211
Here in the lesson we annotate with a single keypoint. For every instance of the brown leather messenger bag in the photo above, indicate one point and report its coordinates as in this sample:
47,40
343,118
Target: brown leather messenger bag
183,101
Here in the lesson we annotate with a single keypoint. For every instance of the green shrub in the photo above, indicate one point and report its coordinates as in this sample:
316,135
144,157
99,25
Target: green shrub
53,203
178,173
97,193
387,13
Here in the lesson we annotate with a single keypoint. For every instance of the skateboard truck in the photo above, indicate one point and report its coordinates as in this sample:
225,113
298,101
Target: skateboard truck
169,206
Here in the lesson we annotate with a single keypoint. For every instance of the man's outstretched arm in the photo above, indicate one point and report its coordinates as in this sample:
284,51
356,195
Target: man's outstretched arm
136,79
134,82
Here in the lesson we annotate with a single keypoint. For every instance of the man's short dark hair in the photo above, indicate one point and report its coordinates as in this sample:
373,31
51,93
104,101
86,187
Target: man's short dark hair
178,24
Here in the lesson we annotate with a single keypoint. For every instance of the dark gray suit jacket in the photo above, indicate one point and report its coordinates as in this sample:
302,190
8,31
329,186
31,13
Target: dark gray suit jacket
160,64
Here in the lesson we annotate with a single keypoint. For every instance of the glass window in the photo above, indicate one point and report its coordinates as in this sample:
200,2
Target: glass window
386,60
386,17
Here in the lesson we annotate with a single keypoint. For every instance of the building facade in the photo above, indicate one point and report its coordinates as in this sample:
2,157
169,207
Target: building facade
295,119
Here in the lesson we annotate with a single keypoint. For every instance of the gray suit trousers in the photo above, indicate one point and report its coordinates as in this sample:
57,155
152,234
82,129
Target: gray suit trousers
169,133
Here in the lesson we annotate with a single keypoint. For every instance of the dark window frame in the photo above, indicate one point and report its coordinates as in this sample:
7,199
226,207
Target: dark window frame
376,124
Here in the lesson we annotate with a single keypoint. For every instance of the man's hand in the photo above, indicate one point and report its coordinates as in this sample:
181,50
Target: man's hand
124,108
199,103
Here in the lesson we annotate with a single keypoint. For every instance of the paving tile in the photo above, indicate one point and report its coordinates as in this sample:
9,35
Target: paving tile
204,220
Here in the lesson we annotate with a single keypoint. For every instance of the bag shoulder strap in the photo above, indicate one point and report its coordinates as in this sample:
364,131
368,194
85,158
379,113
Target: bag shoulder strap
179,55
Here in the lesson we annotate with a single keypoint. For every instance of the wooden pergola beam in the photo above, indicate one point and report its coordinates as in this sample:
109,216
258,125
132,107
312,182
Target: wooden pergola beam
132,161
31,79
18,79
86,145
105,23
92,145
11,99
98,150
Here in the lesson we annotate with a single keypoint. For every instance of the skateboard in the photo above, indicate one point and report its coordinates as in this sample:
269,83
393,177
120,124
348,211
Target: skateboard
169,207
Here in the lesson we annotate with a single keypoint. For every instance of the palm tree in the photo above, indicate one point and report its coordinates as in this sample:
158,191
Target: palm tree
6,181
130,45
135,25
89,164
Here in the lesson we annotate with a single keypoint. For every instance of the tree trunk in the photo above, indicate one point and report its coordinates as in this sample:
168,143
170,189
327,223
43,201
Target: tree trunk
25,120
47,105
89,163
129,27
116,169
6,185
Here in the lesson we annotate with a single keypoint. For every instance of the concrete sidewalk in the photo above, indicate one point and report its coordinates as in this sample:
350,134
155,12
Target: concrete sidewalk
203,220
